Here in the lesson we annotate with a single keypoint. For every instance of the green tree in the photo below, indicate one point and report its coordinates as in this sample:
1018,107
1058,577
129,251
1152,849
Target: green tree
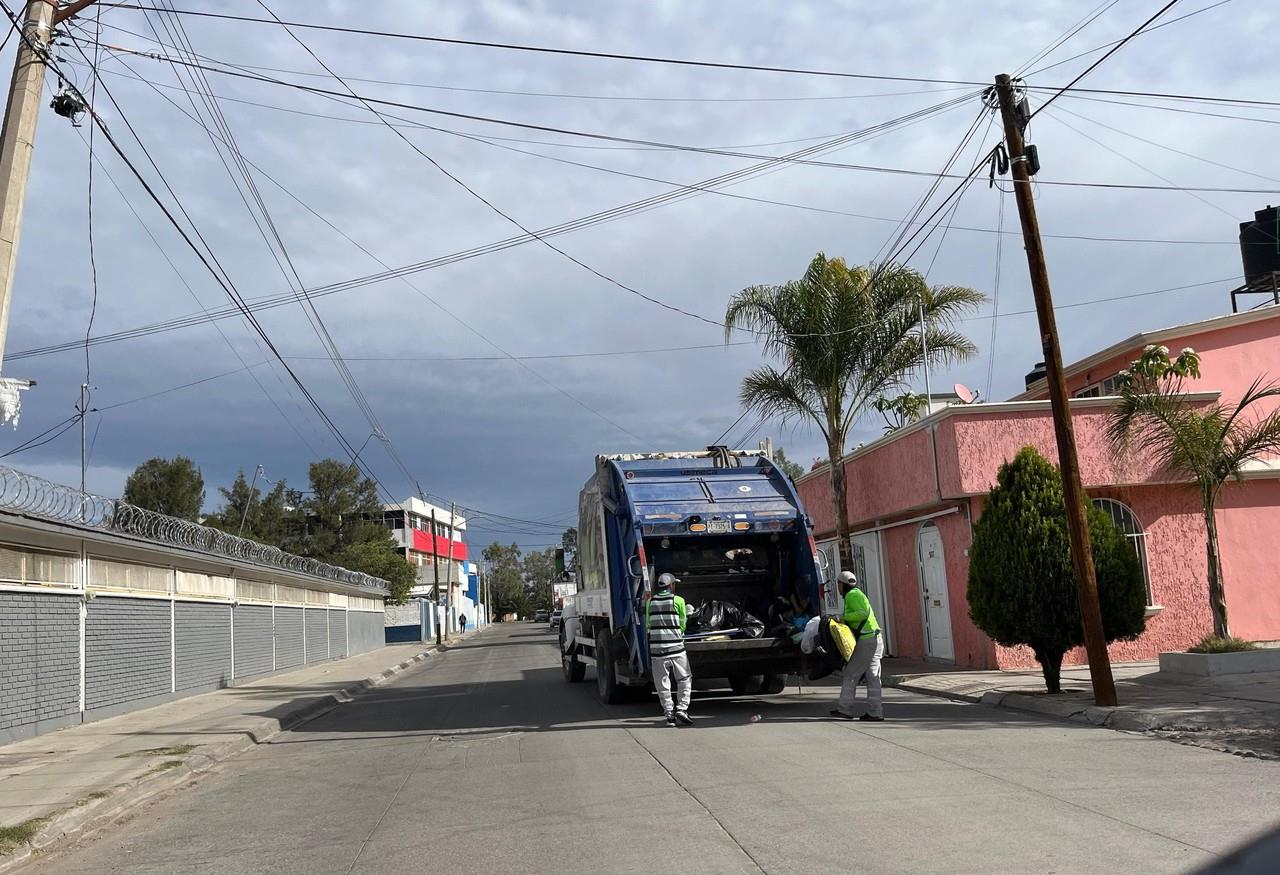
792,469
270,518
539,572
1209,444
506,583
342,509
845,336
1021,584
343,518
170,486
380,558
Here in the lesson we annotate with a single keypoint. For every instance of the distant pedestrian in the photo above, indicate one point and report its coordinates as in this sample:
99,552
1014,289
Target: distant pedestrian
867,653
462,621
665,619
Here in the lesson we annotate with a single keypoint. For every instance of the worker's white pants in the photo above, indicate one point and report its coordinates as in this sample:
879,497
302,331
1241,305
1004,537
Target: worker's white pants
865,661
663,668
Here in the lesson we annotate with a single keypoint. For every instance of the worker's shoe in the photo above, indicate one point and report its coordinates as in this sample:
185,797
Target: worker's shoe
840,715
671,719
872,718
683,719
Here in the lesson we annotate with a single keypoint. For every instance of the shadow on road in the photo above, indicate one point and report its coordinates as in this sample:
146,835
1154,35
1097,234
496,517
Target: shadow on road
456,697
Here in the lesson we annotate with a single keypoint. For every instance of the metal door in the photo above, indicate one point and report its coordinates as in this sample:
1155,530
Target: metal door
933,592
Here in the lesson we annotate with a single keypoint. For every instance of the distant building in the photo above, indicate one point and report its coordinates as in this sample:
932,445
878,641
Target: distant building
435,544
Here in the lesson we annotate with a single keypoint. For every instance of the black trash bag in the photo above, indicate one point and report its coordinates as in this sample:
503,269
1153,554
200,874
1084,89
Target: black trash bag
736,616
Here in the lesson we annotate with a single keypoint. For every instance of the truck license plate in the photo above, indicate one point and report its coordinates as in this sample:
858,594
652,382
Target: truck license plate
718,527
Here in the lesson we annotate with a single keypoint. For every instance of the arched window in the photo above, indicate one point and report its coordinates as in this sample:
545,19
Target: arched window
1127,522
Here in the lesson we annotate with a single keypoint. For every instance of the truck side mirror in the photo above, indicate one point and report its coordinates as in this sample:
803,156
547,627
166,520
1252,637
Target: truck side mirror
633,565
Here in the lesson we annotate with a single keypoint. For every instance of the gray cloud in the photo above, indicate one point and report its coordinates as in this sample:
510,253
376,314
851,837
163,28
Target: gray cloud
491,433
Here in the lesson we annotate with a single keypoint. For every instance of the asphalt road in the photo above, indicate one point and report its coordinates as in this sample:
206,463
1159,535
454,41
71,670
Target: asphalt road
485,761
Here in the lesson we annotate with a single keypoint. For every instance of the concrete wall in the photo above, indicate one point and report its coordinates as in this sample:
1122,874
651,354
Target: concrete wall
365,631
39,661
153,624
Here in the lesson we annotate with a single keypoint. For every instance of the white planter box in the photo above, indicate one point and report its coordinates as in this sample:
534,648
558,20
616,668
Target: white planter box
1214,664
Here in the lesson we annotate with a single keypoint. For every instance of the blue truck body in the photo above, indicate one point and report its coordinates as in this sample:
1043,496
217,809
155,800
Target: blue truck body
730,525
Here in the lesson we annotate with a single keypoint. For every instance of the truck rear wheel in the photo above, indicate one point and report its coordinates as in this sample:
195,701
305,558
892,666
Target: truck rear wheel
574,670
745,684
611,692
774,684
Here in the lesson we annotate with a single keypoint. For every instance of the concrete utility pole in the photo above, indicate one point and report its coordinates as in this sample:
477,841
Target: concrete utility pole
18,136
453,509
1095,642
17,142
435,569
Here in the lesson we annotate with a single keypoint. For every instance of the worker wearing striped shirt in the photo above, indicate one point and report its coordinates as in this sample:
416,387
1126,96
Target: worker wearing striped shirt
665,620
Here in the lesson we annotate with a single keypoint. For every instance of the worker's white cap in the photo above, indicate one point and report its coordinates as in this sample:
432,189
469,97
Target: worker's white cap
847,578
667,580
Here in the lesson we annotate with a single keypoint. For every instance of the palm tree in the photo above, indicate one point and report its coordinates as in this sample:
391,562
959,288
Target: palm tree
845,336
1208,444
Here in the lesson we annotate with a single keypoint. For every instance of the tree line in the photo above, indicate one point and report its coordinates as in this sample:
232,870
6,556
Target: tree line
337,519
520,583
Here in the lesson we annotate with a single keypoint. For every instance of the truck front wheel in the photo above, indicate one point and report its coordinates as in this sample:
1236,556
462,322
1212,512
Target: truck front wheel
574,670
611,692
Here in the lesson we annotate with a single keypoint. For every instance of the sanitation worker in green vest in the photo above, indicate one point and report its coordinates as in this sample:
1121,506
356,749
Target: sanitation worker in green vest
665,619
867,653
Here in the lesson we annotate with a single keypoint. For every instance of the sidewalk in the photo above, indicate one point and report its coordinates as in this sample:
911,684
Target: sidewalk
1236,713
77,779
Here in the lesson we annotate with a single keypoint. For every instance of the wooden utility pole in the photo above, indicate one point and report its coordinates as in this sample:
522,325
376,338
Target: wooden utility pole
1095,642
435,568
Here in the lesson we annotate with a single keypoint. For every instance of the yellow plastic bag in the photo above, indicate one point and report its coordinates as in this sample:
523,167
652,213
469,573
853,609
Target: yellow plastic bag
842,635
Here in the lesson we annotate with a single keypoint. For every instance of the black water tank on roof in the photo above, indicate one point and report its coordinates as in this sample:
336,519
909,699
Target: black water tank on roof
1260,245
1036,373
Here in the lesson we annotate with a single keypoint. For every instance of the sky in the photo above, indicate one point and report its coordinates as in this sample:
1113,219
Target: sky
431,351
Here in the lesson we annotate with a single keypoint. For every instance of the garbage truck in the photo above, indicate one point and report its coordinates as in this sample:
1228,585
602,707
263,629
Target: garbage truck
729,525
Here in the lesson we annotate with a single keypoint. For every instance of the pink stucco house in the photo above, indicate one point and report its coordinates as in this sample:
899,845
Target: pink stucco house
914,494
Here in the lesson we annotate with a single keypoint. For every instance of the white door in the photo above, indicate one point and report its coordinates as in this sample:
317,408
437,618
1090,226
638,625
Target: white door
933,590
869,569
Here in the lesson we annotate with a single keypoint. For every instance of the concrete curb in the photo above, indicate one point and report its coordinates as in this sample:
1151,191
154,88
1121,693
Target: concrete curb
83,820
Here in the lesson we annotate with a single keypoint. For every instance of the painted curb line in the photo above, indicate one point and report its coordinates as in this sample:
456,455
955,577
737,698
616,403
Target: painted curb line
81,821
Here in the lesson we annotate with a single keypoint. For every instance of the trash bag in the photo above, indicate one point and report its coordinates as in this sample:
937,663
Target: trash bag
736,616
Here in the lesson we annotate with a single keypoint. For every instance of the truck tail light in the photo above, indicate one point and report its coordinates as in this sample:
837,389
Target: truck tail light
697,527
741,527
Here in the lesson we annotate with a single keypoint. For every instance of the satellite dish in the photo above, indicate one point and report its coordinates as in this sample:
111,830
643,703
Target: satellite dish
965,394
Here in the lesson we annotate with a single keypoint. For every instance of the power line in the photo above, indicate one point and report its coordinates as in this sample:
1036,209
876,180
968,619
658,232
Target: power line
1114,42
553,94
1080,25
1117,47
228,139
209,261
628,57
491,141
679,147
